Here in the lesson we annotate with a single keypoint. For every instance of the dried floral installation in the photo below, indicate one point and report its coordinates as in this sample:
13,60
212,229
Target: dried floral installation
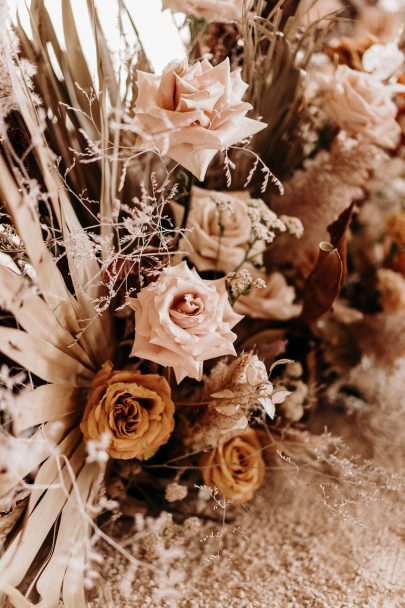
202,307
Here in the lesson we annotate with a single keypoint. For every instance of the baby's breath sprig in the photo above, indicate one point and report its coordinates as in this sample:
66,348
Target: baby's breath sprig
241,283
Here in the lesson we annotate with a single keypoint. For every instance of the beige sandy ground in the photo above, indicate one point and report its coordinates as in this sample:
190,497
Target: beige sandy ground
287,551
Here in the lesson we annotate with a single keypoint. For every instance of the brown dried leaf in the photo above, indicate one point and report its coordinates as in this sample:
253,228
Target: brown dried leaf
323,284
338,234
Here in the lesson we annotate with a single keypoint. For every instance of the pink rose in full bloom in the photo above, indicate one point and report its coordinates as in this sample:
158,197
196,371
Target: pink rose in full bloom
182,320
221,229
361,105
275,301
192,112
210,10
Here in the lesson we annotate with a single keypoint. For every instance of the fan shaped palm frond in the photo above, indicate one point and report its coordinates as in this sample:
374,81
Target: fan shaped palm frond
62,339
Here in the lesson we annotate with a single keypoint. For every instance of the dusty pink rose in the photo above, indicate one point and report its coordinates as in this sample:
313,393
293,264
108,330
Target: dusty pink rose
192,112
182,320
221,229
360,104
275,301
210,10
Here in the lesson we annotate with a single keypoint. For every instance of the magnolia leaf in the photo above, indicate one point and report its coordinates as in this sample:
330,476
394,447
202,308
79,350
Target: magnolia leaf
224,394
280,362
280,396
256,375
323,284
268,405
268,344
227,410
239,425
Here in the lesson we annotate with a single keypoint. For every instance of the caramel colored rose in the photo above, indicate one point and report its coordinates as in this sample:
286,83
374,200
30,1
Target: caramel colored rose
235,467
134,409
395,228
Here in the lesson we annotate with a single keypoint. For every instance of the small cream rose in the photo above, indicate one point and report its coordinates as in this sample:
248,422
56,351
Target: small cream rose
135,410
274,301
182,320
210,10
221,230
236,466
361,105
192,112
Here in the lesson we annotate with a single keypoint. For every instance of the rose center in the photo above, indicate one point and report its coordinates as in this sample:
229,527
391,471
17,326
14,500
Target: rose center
127,414
188,304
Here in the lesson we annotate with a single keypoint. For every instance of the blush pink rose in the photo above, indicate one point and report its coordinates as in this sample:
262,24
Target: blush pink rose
361,105
182,320
210,10
275,301
221,229
192,112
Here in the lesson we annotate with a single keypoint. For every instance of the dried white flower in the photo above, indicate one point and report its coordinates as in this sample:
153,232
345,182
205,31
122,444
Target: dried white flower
383,60
240,283
265,223
293,225
97,450
175,491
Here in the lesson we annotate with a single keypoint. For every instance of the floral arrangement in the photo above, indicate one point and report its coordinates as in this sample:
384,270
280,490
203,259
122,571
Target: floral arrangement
199,269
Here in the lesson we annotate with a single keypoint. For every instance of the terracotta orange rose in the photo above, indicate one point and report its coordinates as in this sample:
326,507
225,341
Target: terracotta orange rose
189,113
182,320
236,466
135,410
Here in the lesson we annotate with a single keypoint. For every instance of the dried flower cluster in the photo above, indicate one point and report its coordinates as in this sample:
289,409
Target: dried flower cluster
177,326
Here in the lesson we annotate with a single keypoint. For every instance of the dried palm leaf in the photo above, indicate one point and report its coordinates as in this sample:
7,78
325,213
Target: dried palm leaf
277,49
80,107
62,340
